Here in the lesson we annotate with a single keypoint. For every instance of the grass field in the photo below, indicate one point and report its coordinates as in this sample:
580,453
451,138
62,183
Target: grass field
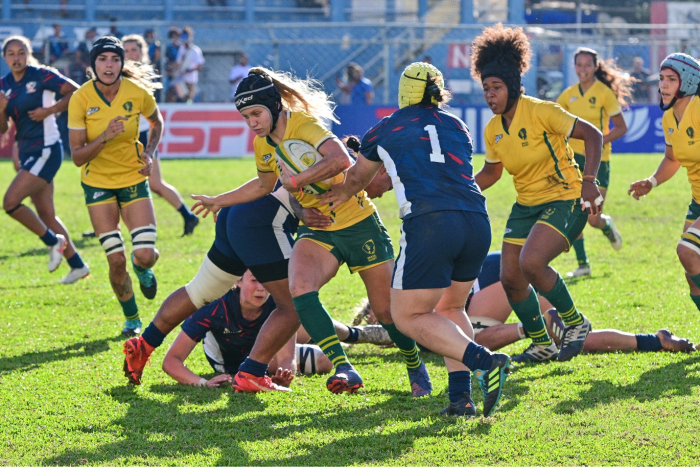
64,400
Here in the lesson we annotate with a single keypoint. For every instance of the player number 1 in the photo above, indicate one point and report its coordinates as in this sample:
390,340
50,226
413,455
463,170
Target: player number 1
436,155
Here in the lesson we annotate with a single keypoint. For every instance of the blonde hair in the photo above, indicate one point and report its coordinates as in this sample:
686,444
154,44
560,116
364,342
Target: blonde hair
141,73
138,39
301,95
31,60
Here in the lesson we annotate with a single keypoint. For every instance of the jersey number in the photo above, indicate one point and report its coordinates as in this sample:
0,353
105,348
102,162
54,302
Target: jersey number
436,155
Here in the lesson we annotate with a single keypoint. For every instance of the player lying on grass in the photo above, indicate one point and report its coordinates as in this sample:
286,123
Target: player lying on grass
229,327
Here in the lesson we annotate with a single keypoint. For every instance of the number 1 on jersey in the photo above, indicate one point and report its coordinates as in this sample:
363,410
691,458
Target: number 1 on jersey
436,155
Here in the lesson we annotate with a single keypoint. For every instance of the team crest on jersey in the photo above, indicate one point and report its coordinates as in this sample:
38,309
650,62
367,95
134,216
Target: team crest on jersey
522,134
573,98
266,157
31,87
690,132
92,110
128,106
498,138
592,100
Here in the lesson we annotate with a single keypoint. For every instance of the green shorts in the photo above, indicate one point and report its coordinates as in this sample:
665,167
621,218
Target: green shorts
564,216
693,212
362,245
122,196
603,171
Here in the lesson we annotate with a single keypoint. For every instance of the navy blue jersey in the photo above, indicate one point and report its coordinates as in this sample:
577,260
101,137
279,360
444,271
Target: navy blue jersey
37,88
228,336
428,154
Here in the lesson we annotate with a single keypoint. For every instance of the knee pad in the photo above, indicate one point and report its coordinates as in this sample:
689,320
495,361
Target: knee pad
143,237
10,211
209,284
480,324
691,240
308,357
112,242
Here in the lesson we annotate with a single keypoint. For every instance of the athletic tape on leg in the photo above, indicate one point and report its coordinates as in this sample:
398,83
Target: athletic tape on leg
691,240
10,211
480,324
209,284
143,237
112,242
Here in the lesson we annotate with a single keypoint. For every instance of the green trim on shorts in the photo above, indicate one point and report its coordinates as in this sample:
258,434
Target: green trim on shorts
122,196
564,216
363,245
603,171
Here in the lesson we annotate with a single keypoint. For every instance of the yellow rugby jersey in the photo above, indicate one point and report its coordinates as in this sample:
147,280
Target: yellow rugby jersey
684,138
534,151
118,163
595,106
304,127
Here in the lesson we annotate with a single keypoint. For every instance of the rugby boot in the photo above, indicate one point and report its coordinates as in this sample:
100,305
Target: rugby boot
75,274
132,328
464,407
582,270
671,342
374,334
56,253
574,337
614,235
137,352
345,379
420,381
492,381
537,353
191,223
555,325
147,280
249,383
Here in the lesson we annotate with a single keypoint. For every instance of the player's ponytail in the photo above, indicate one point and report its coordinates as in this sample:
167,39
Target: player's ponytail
300,95
433,92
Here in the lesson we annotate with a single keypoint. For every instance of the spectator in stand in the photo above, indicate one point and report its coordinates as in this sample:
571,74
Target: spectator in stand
113,30
640,87
358,88
428,59
57,44
153,47
86,45
76,70
238,72
171,66
190,60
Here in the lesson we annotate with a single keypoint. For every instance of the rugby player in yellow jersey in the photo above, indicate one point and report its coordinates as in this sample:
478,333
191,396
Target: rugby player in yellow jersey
529,138
103,119
598,98
278,107
678,85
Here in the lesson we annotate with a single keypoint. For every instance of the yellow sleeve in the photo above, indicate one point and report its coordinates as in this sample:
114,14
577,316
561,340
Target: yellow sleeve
311,131
263,156
76,112
490,153
563,99
149,104
611,104
555,119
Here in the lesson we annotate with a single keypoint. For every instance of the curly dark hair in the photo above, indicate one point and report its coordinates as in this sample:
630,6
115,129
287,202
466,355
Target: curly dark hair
509,45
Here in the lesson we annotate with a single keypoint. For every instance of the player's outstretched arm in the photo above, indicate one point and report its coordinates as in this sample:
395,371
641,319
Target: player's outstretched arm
248,192
356,179
667,168
174,364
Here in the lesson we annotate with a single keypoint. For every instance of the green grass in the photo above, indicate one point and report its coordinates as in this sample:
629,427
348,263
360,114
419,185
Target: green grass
64,400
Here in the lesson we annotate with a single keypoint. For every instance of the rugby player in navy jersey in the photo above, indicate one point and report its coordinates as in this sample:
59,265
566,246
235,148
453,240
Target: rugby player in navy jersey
27,97
445,235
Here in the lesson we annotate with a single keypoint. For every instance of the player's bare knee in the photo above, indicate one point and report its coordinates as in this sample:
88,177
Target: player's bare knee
383,315
299,288
688,257
10,203
146,258
532,267
117,263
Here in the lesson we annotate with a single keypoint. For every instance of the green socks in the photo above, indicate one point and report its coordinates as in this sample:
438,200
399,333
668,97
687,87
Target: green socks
606,230
528,311
406,345
560,298
130,309
580,249
319,325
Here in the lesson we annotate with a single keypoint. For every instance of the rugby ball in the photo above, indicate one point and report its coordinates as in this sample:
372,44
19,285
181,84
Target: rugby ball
297,156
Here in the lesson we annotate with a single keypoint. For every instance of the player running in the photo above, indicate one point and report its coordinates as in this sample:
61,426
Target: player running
229,327
28,98
445,233
136,49
103,118
528,137
279,107
678,85
598,98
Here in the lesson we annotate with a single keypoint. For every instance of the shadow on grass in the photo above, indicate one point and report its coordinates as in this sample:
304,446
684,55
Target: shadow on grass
655,384
29,253
34,359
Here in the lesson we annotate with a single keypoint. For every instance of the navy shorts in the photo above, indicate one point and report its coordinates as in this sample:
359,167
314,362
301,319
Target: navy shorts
44,162
440,247
143,138
258,236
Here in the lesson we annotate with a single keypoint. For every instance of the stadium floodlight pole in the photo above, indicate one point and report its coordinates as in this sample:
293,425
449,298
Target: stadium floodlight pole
467,10
516,11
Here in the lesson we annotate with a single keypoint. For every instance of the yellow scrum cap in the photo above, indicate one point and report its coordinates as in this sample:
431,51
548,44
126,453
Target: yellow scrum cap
413,82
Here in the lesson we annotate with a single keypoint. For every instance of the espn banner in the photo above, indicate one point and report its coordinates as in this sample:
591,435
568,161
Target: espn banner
219,131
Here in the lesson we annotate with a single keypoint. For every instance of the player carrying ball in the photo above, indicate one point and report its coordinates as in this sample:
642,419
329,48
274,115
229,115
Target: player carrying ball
679,79
103,118
528,137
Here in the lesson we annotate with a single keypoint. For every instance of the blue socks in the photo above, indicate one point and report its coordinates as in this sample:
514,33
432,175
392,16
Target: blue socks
255,368
648,342
153,336
75,261
49,238
353,336
185,212
459,383
477,357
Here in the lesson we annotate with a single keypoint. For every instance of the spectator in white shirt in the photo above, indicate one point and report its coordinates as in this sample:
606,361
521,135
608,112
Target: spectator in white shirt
238,72
191,61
